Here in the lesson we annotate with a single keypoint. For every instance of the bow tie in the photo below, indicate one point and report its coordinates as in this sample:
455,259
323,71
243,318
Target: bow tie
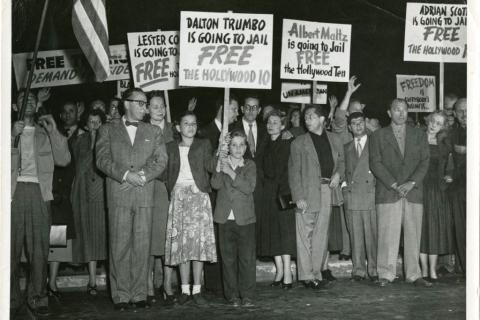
129,123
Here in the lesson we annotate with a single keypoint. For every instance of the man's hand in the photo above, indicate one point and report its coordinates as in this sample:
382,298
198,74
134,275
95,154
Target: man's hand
405,188
351,85
192,103
47,122
43,94
333,102
18,128
286,135
334,181
134,179
302,205
125,186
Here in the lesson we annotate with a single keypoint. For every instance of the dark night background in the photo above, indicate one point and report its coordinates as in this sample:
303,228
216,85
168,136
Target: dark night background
376,50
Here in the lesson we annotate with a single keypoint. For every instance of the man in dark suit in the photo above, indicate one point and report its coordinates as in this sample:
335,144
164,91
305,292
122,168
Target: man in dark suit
213,130
132,154
399,157
315,167
359,200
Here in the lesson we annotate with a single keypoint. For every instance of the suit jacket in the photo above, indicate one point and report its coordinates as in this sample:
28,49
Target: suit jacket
304,169
211,132
116,155
236,195
389,166
201,163
359,194
49,150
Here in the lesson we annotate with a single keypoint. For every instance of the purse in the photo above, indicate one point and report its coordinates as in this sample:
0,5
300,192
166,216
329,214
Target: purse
58,236
285,202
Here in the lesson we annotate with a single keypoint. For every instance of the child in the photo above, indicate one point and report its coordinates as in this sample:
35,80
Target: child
190,235
235,180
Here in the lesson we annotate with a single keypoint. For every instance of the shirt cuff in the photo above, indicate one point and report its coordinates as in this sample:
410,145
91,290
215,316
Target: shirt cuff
125,175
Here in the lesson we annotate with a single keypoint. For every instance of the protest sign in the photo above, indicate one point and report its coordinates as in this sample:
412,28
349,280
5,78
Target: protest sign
301,92
436,32
418,91
315,51
226,50
154,59
66,67
122,86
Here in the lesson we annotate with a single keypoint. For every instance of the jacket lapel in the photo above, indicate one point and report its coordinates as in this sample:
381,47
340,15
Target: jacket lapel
409,140
139,135
122,132
393,141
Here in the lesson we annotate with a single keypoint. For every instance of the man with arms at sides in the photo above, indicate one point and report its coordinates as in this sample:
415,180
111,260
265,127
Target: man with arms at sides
399,157
315,167
359,197
132,154
41,147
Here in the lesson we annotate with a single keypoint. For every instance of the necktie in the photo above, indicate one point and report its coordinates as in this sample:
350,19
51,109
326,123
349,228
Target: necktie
359,148
251,140
130,123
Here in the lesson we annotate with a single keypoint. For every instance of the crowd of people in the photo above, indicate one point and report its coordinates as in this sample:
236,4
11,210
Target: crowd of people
145,194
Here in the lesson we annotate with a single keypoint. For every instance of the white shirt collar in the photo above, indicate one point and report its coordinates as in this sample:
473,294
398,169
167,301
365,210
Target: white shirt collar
240,164
246,124
363,141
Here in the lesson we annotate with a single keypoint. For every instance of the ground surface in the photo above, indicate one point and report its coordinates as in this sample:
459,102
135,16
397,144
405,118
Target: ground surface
346,300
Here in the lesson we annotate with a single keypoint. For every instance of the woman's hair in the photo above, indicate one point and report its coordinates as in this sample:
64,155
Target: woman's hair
99,113
290,113
442,134
278,113
155,94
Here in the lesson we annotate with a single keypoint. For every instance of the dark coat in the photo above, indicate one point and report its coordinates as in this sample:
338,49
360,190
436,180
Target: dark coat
236,195
211,132
201,162
389,166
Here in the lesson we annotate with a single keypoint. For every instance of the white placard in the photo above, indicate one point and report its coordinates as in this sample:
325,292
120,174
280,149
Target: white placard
301,92
315,51
154,59
418,91
436,33
226,50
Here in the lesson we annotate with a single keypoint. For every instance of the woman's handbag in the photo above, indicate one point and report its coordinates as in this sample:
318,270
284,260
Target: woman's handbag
285,202
58,236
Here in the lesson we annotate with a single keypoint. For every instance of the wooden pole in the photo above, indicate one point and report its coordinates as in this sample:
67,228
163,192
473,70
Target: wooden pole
226,110
314,92
21,114
441,86
167,106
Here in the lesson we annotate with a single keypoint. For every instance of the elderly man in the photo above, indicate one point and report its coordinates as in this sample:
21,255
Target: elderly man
41,147
131,154
315,167
399,157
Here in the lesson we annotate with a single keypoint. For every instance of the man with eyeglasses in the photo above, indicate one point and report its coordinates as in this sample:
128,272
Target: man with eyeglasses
132,154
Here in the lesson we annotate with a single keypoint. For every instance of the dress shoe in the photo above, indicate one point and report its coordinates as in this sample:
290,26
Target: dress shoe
382,282
142,304
40,311
91,290
53,293
276,283
184,298
321,284
122,306
248,303
199,299
286,286
357,278
420,282
344,257
168,299
327,275
235,302
374,279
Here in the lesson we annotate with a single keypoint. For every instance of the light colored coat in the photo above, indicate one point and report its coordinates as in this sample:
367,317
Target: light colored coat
116,155
304,169
50,150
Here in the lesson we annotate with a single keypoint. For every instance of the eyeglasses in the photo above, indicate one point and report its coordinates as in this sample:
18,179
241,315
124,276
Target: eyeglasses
251,108
141,103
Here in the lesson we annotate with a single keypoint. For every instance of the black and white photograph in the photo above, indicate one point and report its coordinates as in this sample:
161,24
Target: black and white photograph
240,159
